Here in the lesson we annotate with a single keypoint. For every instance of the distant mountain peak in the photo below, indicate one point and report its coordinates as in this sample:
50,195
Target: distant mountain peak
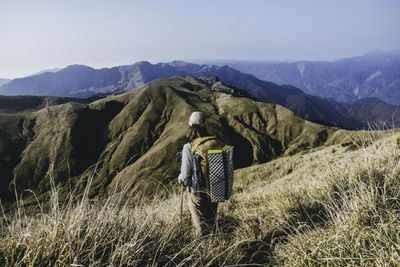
178,63
143,62
76,67
216,67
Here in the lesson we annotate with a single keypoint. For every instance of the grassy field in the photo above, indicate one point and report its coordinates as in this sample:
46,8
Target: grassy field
335,205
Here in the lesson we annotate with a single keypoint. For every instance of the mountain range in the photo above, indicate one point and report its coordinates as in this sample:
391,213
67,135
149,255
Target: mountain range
83,81
375,74
131,138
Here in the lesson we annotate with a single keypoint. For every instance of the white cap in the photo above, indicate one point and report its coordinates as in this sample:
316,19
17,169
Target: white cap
198,118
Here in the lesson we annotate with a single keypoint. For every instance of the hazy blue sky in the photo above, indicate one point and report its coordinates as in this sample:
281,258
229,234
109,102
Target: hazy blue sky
37,35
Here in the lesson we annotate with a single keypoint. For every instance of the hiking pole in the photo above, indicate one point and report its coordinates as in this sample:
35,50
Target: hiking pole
182,192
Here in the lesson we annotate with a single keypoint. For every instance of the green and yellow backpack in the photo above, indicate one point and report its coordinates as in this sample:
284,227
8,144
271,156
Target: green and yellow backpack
213,170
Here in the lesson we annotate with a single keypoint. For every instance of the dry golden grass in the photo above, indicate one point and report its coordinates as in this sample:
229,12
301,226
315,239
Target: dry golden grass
333,206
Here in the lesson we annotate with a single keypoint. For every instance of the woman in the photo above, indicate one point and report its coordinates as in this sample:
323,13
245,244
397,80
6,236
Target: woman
194,160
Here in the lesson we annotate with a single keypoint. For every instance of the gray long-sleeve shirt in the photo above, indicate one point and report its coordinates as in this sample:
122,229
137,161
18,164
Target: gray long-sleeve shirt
186,165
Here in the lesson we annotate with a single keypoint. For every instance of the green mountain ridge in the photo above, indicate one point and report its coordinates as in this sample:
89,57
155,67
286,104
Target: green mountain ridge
131,138
15,104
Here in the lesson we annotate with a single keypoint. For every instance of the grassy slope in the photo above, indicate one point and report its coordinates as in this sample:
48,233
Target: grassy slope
332,205
136,135
259,131
15,104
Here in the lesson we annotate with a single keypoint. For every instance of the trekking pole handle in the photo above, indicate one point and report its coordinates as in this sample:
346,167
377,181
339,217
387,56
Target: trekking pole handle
182,190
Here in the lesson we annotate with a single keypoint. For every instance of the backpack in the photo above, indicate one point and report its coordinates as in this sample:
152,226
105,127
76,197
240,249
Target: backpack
212,169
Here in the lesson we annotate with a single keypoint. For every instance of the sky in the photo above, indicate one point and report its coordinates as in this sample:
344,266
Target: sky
44,34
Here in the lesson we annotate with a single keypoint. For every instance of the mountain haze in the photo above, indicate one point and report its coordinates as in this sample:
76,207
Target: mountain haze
376,74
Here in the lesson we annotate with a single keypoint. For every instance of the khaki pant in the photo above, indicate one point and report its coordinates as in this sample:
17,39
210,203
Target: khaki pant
203,213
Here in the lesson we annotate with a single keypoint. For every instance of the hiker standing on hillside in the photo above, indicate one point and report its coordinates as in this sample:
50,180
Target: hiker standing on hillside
202,210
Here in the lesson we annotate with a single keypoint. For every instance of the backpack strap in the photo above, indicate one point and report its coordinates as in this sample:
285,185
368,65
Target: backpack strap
205,139
195,145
